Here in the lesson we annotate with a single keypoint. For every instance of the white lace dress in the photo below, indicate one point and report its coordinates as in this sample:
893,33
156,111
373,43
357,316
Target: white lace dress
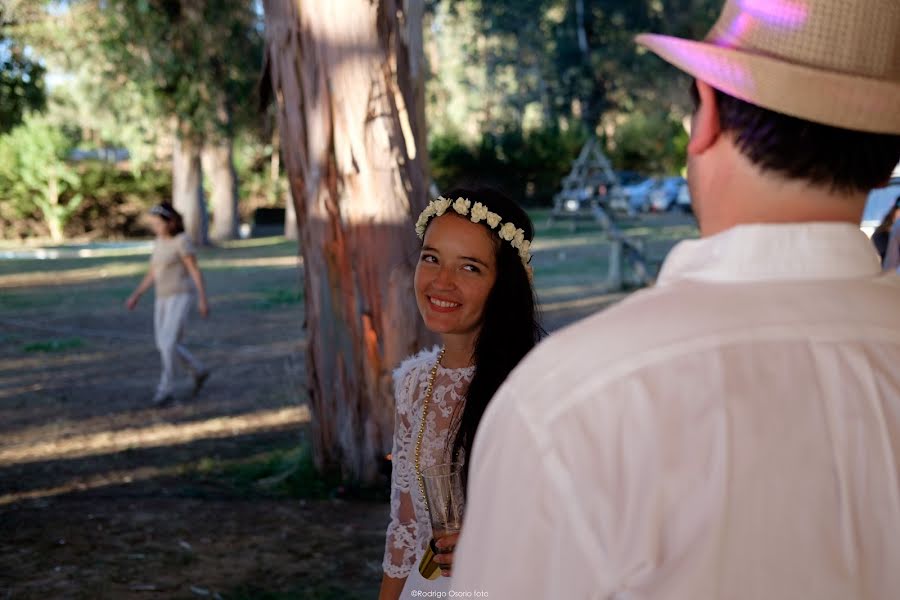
409,531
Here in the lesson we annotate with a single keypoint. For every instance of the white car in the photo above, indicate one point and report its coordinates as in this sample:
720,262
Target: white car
879,203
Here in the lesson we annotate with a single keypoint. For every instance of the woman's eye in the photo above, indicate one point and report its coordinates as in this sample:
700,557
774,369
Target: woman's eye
472,269
428,258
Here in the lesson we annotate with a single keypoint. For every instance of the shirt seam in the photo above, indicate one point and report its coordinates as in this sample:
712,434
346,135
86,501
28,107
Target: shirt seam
639,360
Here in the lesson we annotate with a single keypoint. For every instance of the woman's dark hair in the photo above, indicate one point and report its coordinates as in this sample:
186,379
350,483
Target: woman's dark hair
795,148
510,324
167,212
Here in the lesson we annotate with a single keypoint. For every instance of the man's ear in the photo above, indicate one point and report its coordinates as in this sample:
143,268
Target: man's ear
705,127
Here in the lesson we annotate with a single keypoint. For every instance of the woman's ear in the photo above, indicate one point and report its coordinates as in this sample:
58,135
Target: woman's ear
705,126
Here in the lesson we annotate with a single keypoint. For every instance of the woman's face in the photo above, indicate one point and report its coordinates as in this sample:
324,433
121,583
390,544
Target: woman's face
456,272
159,226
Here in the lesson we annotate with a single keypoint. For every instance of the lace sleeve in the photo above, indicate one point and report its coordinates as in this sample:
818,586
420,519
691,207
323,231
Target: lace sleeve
401,544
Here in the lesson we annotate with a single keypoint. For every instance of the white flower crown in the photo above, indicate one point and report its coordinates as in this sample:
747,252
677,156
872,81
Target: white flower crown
477,213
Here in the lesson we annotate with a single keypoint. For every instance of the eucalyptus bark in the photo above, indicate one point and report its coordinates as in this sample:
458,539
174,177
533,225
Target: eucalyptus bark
348,78
291,227
217,159
187,189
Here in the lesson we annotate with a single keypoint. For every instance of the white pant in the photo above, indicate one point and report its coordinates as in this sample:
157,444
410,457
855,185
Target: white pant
168,320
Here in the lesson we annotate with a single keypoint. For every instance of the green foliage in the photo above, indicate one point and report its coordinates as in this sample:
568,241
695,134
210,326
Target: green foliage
113,202
21,76
503,65
34,172
198,61
116,200
21,86
528,166
653,143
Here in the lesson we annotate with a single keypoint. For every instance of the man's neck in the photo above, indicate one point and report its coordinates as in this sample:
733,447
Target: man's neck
742,194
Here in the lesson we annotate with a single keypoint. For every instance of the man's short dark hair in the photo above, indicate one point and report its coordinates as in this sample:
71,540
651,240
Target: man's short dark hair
841,159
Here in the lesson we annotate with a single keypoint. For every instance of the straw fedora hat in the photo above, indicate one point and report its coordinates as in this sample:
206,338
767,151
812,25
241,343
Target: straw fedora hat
835,62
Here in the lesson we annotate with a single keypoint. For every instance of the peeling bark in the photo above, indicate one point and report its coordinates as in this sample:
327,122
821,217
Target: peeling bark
349,83
218,163
187,189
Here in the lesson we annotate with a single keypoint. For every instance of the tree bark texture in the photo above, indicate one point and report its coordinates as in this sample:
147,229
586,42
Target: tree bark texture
348,79
291,228
187,189
217,159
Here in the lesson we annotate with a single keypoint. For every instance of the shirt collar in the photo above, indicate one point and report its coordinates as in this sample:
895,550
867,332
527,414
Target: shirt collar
773,252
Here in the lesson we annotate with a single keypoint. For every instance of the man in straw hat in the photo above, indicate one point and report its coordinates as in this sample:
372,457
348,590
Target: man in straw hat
733,432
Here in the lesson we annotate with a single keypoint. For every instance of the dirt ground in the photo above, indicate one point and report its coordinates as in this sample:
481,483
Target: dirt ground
103,496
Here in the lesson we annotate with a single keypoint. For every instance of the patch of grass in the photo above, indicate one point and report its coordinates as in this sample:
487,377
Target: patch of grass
288,472
279,297
26,300
54,345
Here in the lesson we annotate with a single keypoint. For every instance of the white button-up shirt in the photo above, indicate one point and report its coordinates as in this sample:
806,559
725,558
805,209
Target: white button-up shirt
733,432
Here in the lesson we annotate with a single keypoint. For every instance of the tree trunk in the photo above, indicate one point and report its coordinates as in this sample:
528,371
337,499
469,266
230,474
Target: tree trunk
291,230
218,163
582,29
347,75
52,213
281,194
187,189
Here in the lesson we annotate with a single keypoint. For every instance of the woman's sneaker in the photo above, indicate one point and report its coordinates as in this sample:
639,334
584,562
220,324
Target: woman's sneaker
199,380
160,400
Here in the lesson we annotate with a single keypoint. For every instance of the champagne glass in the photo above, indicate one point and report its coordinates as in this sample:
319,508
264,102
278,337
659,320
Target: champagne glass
445,494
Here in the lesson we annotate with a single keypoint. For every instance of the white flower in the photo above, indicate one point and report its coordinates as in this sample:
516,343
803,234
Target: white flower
525,251
421,224
440,206
461,206
426,216
518,239
479,212
507,232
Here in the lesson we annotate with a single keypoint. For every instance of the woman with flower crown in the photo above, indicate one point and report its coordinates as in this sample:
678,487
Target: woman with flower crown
473,288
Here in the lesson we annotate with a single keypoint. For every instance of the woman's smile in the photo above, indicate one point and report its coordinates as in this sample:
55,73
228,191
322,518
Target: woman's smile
441,305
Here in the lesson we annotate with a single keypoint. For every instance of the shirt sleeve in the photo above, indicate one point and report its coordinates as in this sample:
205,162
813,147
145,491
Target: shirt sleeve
506,548
185,246
401,540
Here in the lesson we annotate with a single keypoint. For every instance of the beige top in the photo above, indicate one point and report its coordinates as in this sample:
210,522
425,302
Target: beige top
732,433
169,273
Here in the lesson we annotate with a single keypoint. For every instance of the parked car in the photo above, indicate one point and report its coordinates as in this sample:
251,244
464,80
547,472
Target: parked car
665,195
683,201
637,196
627,178
879,202
618,198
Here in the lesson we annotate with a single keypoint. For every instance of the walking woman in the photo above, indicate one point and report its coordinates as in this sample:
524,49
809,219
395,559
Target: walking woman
473,288
175,275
